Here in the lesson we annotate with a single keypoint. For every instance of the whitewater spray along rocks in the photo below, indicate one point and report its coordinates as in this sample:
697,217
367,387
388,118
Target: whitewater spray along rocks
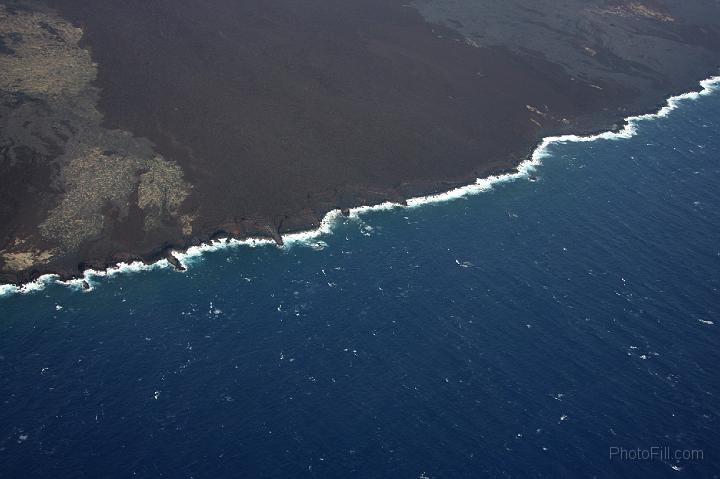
311,237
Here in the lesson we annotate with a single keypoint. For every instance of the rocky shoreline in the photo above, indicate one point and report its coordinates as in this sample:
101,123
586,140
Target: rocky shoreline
169,251
222,124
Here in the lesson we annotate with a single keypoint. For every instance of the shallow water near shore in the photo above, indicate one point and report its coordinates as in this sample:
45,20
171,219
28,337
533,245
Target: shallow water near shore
524,331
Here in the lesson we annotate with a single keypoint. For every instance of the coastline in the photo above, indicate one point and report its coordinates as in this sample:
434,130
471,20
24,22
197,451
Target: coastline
310,236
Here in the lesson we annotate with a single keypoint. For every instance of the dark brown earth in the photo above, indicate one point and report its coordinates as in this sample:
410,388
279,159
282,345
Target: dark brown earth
130,128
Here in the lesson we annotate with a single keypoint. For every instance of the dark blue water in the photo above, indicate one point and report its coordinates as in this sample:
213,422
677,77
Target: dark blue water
523,332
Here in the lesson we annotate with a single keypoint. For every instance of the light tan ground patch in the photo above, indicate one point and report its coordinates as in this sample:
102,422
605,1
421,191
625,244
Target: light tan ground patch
99,167
186,221
637,9
46,58
162,190
94,178
91,179
19,261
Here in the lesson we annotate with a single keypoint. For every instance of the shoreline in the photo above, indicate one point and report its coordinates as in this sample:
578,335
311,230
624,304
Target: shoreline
307,236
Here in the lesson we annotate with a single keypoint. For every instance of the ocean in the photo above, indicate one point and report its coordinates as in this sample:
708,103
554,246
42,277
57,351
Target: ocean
564,323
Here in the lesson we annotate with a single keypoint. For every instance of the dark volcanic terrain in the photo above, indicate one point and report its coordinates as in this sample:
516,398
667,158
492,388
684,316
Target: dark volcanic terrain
129,128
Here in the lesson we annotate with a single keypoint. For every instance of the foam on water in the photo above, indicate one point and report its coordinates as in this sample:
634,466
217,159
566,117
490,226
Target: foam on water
90,275
310,237
188,256
32,286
